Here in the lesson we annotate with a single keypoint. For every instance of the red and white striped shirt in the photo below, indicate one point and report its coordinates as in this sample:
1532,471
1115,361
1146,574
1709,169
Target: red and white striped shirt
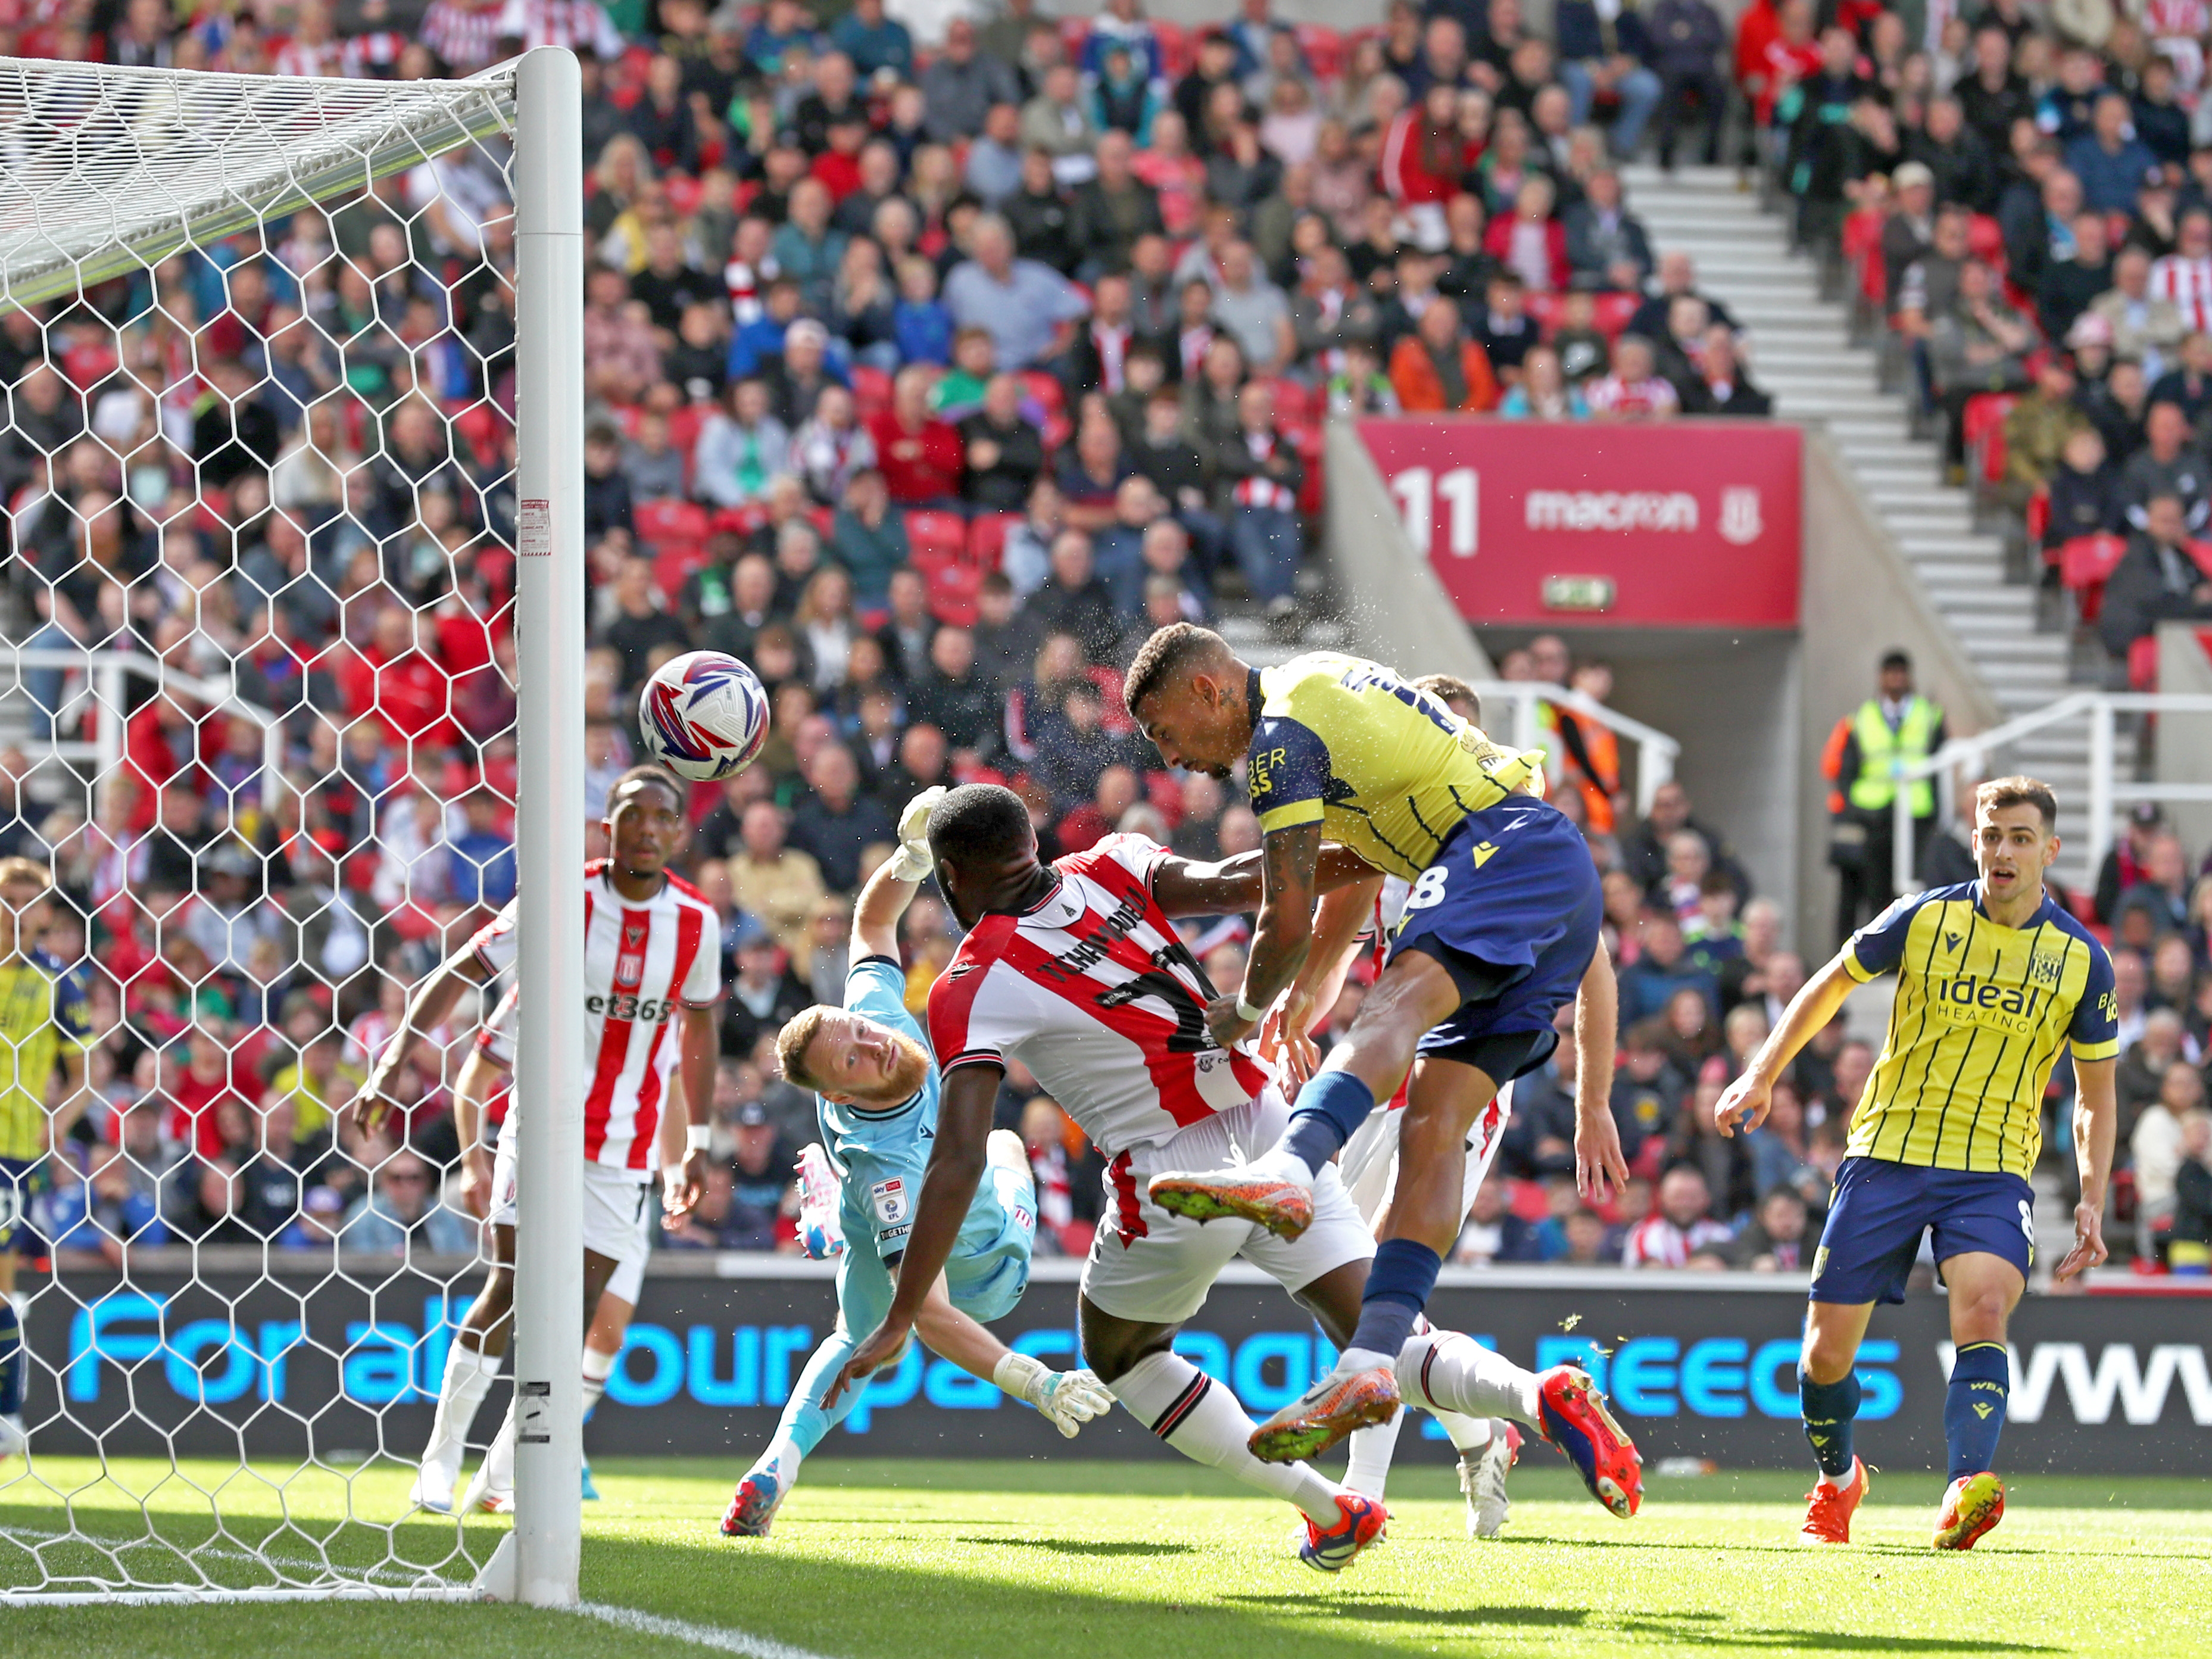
303,58
570,23
463,33
642,963
2188,283
1092,990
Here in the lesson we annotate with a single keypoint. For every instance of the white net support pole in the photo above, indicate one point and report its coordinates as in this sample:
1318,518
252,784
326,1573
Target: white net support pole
549,1331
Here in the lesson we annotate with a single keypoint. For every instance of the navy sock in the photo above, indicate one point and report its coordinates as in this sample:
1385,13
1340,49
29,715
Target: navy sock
1403,1274
11,1360
1828,1409
1974,1406
1330,1107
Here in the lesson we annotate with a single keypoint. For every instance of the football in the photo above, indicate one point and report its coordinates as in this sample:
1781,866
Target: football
704,716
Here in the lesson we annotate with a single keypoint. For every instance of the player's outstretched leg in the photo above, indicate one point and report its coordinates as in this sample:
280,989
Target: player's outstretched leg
760,1493
1446,1371
1203,1421
468,1378
1973,1417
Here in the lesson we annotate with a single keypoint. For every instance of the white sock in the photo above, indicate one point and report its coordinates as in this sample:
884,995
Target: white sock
1444,1369
1283,1164
1467,1434
1181,1405
469,1377
781,1460
1361,1359
596,1367
1367,1464
1846,1483
498,1470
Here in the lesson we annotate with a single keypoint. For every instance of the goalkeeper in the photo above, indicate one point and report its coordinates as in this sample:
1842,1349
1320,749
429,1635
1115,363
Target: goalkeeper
875,1088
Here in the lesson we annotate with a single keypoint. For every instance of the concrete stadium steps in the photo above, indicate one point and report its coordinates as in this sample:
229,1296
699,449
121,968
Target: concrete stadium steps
1802,354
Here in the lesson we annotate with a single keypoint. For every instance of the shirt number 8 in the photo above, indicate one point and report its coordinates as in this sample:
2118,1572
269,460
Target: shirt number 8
1429,890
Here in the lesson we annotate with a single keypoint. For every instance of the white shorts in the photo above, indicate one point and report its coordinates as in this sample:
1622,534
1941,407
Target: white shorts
616,1218
1155,1268
1371,1157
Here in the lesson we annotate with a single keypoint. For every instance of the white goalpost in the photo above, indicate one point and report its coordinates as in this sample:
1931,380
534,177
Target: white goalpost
291,642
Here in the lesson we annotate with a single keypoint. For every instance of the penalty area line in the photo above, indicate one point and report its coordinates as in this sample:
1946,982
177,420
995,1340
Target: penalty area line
717,1636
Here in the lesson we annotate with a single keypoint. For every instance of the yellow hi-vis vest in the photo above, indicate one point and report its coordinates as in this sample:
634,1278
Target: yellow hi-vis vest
1883,755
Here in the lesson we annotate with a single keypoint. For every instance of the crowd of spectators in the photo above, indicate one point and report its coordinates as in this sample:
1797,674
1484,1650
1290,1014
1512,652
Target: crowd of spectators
2026,203
930,377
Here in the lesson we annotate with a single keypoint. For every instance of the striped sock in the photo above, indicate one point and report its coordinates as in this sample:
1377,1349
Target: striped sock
1184,1406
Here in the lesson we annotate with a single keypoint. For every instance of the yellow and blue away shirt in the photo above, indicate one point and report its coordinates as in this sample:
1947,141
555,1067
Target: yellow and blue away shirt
1981,1012
1384,768
43,1012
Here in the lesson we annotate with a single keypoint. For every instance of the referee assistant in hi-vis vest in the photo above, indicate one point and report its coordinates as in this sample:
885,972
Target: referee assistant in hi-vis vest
1868,754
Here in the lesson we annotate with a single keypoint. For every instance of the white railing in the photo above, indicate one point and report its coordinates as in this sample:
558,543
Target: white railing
105,672
1656,751
2106,792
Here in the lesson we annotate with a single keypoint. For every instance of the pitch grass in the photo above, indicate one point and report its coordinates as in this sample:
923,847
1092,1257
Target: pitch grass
1162,1561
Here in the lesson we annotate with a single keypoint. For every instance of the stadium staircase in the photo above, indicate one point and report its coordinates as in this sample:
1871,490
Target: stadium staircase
1803,354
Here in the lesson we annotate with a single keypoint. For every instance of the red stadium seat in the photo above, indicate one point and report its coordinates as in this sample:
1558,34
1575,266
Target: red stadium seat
1046,389
1614,311
673,563
1324,49
952,594
2143,664
1547,310
684,425
659,522
1073,32
1982,430
1986,241
2039,520
1297,404
872,389
2084,564
936,538
1176,52
738,520
684,194
986,539
824,518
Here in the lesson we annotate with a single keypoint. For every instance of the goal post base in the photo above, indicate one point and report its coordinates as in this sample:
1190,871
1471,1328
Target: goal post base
501,1578
214,1596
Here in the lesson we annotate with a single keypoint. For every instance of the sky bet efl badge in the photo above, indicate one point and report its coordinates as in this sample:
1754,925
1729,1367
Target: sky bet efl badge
889,1198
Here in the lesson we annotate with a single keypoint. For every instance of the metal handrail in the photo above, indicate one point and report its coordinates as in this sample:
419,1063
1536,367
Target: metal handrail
107,671
2105,791
1656,752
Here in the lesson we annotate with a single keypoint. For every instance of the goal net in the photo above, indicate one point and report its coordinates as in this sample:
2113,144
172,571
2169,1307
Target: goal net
258,721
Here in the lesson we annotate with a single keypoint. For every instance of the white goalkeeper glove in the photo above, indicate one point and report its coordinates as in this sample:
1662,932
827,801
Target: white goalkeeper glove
912,862
1067,1399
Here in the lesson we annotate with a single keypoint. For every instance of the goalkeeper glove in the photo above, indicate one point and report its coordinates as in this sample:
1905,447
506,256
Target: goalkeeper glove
1068,1399
912,862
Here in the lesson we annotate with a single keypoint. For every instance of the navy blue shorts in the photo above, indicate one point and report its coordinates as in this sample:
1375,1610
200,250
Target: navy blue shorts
1511,908
1881,1209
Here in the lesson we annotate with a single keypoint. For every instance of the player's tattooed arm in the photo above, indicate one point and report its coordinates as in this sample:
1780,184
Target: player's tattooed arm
1289,866
1185,887
2096,1120
1340,921
948,1187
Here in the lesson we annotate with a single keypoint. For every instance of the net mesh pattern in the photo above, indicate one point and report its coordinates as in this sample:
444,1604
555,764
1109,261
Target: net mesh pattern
257,705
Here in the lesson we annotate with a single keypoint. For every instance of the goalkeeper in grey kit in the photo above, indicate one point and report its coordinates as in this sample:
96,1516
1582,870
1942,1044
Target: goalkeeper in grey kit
876,1086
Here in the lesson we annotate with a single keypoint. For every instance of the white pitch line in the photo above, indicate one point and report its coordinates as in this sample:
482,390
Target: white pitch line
717,1636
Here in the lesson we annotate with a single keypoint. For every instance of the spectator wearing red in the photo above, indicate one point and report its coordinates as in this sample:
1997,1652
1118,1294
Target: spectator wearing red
1528,241
1423,154
921,457
1437,368
398,676
1635,391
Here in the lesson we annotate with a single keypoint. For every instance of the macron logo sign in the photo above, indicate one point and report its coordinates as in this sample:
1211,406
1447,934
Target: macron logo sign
2119,1377
1612,509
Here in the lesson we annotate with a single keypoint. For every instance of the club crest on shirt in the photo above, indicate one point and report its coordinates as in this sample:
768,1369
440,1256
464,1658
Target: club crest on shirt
2044,968
889,1198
